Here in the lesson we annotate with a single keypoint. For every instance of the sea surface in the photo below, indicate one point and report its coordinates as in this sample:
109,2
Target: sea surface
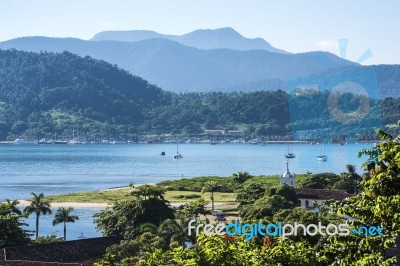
60,169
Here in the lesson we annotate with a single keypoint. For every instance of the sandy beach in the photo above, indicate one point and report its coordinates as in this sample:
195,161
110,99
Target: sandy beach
24,203
102,205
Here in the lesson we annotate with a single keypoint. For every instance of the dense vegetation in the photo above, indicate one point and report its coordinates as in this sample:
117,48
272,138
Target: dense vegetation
63,93
11,222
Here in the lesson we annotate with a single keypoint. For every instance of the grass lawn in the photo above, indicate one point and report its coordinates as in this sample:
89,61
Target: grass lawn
93,196
110,196
183,190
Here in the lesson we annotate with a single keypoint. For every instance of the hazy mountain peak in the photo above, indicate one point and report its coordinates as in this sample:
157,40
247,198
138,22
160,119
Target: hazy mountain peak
228,31
127,36
222,38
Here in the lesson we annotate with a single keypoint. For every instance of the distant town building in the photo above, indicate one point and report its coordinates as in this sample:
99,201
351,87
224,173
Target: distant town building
214,131
235,132
287,177
310,198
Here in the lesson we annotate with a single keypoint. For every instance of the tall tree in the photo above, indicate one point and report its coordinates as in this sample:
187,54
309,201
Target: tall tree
126,216
63,215
38,206
211,186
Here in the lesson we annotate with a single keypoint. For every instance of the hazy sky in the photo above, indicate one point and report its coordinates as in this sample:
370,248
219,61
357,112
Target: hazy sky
295,26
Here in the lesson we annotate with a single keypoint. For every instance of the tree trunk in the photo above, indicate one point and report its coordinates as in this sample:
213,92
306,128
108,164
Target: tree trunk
212,200
65,231
37,225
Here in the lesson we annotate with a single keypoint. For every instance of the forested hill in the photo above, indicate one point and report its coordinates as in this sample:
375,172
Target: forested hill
32,84
55,93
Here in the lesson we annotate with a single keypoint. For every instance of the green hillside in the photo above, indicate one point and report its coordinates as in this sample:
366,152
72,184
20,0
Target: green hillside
43,93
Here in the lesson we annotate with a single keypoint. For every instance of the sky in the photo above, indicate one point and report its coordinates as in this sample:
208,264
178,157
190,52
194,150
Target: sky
369,26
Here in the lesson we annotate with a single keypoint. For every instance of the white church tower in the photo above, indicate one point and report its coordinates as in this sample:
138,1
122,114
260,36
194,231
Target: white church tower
287,177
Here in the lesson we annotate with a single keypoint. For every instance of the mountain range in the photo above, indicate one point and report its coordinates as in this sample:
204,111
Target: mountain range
171,65
224,38
218,60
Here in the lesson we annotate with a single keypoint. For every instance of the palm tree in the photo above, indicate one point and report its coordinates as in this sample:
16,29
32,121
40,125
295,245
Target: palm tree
241,177
176,229
211,186
63,215
38,206
170,230
351,169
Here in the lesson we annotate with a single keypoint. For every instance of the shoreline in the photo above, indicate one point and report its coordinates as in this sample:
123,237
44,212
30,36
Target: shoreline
78,205
103,205
24,202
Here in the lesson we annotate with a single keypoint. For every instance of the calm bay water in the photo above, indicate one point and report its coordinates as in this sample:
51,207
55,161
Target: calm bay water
83,227
59,169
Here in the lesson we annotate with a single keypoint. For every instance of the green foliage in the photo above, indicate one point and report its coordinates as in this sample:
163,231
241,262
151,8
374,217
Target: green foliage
189,196
196,183
48,239
256,203
128,252
319,181
378,204
170,233
241,177
125,217
149,192
264,208
11,232
175,230
249,194
194,208
13,204
288,252
221,251
303,216
287,192
349,181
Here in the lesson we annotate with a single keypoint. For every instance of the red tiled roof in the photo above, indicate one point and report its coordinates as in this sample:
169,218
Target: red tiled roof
321,194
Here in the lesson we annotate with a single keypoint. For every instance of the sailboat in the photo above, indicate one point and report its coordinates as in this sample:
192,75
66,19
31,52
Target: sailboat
322,157
177,155
290,154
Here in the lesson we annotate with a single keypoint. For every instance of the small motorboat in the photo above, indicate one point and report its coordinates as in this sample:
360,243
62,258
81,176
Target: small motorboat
322,158
162,153
290,155
177,156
